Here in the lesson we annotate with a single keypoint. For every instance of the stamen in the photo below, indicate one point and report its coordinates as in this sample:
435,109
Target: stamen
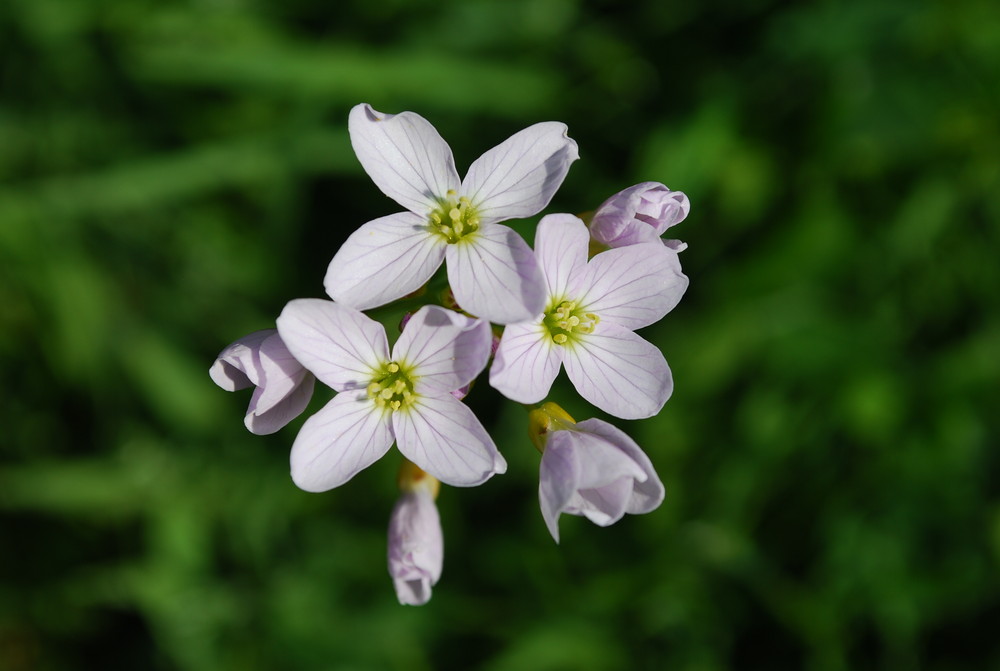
392,387
454,218
566,321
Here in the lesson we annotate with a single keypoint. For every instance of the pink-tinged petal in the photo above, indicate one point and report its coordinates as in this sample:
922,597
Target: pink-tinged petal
561,243
605,478
281,373
338,344
633,286
601,462
619,372
558,475
349,434
383,260
518,177
641,213
526,363
442,436
447,350
276,415
602,505
405,157
647,494
416,547
238,366
495,275
283,386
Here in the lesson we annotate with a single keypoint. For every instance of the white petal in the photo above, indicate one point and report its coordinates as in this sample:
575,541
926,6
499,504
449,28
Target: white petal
405,157
525,364
558,475
561,243
263,419
495,275
281,373
604,505
385,259
619,372
416,547
338,344
633,286
446,349
442,436
601,462
518,177
647,494
349,434
238,366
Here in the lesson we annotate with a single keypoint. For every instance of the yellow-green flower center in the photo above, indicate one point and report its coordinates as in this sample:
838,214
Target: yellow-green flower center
392,387
453,218
566,320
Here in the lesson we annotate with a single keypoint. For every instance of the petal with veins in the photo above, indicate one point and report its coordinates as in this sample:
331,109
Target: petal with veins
633,286
347,435
404,155
561,243
518,177
526,363
557,481
338,344
619,372
495,275
648,493
385,259
447,350
443,437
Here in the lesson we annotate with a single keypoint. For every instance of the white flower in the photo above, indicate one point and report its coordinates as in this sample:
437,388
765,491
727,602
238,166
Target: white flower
492,271
405,397
591,312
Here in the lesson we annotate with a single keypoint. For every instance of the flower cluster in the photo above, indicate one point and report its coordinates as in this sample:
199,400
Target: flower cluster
575,300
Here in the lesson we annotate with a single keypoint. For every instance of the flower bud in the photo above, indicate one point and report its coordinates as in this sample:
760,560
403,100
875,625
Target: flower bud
283,385
416,542
594,470
545,419
641,213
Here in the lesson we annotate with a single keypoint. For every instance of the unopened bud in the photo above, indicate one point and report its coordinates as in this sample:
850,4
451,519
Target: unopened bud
544,420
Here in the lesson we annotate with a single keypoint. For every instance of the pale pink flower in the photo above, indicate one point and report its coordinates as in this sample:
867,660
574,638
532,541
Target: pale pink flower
416,542
283,386
492,271
591,311
640,213
591,469
404,397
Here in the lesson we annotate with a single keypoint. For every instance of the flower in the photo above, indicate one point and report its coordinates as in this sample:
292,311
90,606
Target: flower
640,213
588,322
416,543
590,469
283,386
405,397
491,269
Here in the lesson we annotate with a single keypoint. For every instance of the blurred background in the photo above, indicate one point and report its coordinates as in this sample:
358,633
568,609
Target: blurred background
172,173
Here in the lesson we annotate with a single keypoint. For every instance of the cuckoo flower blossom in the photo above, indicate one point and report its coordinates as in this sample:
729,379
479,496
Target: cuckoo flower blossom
491,269
416,543
590,313
640,213
283,386
403,397
591,469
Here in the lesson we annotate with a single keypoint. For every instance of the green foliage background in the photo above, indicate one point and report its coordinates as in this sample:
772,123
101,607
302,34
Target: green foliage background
171,173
